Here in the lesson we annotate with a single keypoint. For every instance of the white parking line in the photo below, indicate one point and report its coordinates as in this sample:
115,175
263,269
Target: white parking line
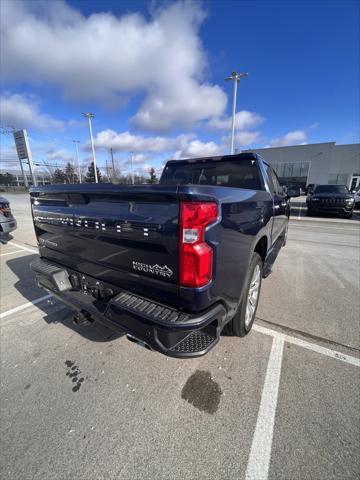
32,250
260,453
24,305
329,227
310,346
10,253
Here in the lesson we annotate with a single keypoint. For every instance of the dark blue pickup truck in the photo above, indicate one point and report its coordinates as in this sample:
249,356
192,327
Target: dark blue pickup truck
172,264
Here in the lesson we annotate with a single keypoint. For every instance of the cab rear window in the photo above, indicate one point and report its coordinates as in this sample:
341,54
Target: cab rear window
236,174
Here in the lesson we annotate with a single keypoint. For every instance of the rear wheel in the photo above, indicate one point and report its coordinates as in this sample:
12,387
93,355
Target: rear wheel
243,320
309,212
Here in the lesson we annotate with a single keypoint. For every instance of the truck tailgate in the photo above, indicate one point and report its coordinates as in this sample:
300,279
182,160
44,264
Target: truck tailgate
127,235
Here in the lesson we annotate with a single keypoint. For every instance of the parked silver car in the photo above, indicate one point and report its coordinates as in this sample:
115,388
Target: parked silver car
357,198
7,220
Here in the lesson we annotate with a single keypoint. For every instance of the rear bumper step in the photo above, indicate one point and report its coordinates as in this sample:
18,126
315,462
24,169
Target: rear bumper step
158,326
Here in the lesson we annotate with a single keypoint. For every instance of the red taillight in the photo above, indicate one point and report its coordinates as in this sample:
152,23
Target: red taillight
196,256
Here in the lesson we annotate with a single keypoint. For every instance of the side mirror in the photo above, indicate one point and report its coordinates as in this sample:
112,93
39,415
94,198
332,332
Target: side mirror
285,189
293,192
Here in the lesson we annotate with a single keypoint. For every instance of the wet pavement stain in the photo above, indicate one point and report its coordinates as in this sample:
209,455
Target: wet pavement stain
202,392
73,373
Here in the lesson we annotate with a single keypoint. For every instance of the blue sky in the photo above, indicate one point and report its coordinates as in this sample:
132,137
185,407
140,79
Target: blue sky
153,74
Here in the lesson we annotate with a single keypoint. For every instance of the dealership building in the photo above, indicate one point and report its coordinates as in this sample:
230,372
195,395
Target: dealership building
321,163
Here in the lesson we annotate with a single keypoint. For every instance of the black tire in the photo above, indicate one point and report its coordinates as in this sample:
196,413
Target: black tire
348,215
309,212
237,327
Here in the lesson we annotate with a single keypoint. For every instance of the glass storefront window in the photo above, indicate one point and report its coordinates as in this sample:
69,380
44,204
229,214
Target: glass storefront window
338,178
292,173
304,169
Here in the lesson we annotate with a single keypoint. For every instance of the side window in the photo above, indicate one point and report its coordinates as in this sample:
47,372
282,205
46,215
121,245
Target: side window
278,188
270,178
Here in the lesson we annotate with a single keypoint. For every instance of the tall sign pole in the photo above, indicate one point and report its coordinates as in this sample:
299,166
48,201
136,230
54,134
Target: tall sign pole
31,165
24,153
10,129
26,183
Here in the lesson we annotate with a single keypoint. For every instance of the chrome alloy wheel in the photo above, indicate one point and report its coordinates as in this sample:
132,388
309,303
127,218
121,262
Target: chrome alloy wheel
253,296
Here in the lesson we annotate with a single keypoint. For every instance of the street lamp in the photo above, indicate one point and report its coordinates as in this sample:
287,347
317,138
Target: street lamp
132,167
235,77
76,142
89,116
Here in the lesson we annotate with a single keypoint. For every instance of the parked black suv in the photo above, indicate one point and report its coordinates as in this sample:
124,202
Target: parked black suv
335,199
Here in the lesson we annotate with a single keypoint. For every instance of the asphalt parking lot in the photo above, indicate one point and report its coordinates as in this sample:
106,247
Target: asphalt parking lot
282,403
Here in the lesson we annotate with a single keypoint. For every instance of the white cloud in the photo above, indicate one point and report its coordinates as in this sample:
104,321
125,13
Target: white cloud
182,104
244,120
127,142
182,146
138,158
22,111
8,157
108,58
296,137
144,170
197,148
61,155
76,123
243,139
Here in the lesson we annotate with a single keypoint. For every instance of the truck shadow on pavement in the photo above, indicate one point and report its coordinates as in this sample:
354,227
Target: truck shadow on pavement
5,238
54,311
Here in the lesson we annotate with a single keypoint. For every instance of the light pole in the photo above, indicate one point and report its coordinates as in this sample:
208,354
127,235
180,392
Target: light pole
132,167
89,116
76,142
235,77
113,164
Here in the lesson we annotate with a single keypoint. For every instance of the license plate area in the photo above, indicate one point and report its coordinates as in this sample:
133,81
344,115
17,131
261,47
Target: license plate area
92,287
